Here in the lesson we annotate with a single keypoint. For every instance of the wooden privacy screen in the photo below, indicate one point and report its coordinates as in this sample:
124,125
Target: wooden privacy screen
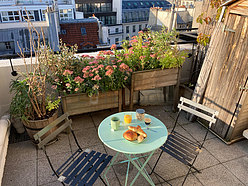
226,65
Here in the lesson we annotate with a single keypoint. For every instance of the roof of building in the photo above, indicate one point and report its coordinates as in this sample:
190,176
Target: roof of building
183,17
85,20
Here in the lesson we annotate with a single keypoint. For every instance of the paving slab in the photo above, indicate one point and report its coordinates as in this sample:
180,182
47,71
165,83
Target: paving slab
168,167
239,167
45,173
205,160
21,152
81,122
86,138
198,131
20,174
56,147
218,176
190,181
101,115
182,117
224,152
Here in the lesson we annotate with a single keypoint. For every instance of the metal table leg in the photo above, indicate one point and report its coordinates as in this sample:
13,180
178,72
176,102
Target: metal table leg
141,169
112,162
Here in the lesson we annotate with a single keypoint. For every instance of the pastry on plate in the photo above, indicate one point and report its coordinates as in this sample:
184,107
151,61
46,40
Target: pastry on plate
138,130
130,135
140,138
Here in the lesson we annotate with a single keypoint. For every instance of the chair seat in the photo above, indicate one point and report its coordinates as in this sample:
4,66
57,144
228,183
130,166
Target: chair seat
181,148
83,167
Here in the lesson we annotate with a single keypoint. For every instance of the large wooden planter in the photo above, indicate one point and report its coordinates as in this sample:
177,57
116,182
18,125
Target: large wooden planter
150,79
34,126
82,103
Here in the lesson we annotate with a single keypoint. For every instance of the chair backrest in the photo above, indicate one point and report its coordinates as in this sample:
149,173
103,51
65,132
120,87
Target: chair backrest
199,110
49,132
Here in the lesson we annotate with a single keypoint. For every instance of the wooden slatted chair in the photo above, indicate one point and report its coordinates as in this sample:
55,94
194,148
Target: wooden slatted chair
82,167
179,146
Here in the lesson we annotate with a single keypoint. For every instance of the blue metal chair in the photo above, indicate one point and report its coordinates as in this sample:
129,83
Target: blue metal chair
180,147
82,167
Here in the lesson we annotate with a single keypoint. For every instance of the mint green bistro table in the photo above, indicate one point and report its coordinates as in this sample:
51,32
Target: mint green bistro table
156,136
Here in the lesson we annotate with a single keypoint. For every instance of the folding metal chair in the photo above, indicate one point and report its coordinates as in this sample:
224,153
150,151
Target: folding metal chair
82,167
179,146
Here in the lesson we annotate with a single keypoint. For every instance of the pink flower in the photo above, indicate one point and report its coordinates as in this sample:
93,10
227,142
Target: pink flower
125,78
78,79
96,78
113,47
140,32
56,80
114,66
100,66
142,57
85,56
109,72
153,55
119,61
100,58
131,52
68,84
134,41
67,72
54,87
144,46
91,74
76,89
86,74
93,62
109,67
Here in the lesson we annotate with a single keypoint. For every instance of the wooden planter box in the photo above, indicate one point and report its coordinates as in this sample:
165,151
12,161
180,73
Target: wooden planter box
82,103
150,79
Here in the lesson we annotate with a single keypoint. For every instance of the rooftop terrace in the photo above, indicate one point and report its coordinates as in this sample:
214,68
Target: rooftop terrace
220,164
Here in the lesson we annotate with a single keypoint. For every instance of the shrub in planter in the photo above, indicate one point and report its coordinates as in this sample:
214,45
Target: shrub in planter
88,75
31,99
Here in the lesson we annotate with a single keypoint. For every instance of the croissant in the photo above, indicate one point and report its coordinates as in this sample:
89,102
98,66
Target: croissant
138,130
140,138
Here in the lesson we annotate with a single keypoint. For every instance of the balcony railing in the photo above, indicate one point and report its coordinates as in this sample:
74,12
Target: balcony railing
114,33
36,2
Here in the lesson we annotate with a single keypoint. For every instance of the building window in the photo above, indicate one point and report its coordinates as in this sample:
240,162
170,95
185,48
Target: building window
10,16
127,38
7,45
83,31
30,15
127,29
117,40
108,41
145,25
108,31
65,14
43,15
134,28
140,27
116,30
63,31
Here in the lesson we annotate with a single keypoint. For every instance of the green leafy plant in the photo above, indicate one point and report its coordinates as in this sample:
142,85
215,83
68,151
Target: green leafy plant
151,50
87,74
30,89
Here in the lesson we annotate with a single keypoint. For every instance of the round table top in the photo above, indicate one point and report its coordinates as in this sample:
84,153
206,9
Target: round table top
156,134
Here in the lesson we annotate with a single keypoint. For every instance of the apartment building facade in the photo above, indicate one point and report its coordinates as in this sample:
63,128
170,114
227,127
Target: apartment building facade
13,27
